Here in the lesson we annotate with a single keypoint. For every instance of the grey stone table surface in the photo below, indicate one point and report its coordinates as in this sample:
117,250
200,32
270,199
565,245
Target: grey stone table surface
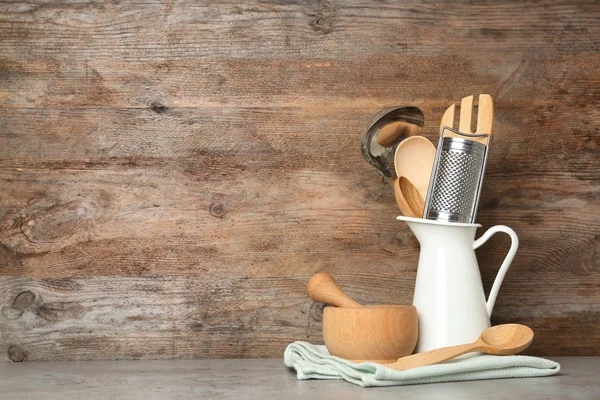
265,379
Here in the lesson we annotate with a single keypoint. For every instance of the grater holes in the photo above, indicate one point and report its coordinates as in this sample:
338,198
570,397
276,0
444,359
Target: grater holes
456,182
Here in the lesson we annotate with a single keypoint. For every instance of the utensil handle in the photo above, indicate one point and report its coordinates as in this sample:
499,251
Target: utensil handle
433,356
514,245
321,287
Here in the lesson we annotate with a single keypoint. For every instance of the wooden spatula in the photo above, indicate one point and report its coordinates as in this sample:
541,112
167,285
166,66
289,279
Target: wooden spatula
485,118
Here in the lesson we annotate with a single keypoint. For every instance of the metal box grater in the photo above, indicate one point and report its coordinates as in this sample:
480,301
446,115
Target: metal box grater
456,178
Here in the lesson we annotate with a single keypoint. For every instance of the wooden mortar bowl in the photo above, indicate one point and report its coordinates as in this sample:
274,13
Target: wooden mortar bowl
371,333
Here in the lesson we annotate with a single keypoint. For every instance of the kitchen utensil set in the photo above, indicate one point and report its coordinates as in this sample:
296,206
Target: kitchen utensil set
437,190
448,180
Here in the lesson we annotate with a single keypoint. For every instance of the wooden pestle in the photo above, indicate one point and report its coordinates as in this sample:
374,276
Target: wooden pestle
321,287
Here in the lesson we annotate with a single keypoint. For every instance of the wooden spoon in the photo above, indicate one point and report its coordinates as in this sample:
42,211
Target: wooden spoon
322,288
414,160
501,339
408,198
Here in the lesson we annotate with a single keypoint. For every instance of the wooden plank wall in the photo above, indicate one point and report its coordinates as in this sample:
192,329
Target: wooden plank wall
173,172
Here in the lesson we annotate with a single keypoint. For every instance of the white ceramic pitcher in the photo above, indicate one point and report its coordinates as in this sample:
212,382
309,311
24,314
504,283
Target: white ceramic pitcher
449,294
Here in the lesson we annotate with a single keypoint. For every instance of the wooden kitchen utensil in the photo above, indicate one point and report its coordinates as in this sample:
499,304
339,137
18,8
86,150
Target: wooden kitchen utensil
448,120
485,118
414,159
408,198
371,333
356,332
501,339
322,288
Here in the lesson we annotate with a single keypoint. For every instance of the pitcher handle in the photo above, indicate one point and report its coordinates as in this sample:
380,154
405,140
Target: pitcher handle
514,245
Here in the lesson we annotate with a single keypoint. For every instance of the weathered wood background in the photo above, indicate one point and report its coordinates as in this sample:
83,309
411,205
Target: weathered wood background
172,173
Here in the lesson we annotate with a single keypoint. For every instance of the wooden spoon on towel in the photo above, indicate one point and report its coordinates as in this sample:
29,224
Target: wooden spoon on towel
501,339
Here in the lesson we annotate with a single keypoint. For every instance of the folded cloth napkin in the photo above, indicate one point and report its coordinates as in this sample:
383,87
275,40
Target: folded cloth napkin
314,362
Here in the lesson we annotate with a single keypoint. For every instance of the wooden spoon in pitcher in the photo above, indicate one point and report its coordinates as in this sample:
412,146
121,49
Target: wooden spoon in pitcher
501,339
414,160
409,200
